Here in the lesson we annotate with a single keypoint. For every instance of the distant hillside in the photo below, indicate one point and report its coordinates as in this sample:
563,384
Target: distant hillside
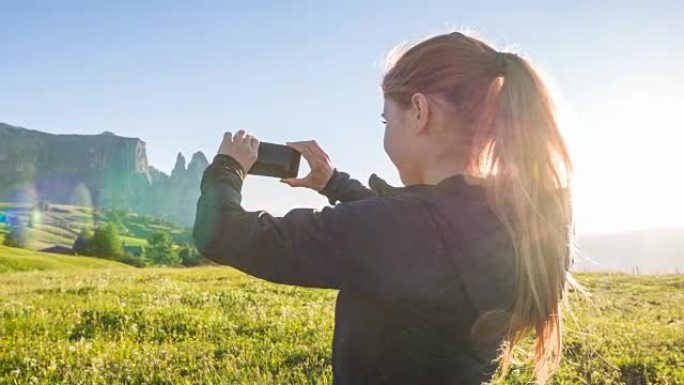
102,170
60,224
651,251
13,259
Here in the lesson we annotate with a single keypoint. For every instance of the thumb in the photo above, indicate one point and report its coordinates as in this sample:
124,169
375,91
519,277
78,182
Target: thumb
296,145
294,182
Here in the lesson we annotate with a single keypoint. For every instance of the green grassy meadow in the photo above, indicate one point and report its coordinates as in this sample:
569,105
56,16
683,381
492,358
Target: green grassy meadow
14,259
216,325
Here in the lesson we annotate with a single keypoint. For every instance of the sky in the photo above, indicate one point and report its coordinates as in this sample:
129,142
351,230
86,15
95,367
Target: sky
178,74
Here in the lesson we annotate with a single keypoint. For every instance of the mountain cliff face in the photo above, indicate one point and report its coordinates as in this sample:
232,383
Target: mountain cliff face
103,170
176,195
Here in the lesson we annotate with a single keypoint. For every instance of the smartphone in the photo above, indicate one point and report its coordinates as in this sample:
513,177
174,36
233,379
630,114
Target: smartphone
276,160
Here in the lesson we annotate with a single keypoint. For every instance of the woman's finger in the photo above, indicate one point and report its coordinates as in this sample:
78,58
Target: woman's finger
315,145
296,145
313,149
296,182
254,143
303,149
318,150
318,154
240,135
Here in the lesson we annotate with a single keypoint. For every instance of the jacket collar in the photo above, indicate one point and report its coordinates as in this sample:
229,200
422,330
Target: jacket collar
382,188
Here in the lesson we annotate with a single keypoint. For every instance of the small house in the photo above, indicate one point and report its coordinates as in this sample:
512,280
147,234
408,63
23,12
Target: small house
136,251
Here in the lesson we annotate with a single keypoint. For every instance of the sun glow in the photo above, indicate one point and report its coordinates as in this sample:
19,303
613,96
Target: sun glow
628,155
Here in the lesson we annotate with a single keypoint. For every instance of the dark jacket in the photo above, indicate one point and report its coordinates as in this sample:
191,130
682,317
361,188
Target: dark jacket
425,272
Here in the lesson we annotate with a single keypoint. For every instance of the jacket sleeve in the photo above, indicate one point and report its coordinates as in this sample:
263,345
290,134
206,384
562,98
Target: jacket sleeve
334,247
341,187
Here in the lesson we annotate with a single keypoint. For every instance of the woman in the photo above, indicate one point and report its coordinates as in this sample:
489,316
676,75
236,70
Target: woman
438,279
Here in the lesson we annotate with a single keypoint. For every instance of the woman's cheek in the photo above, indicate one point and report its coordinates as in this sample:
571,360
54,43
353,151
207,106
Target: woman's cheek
387,142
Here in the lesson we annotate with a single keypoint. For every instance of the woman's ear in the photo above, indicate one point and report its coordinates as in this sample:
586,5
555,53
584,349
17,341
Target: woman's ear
421,111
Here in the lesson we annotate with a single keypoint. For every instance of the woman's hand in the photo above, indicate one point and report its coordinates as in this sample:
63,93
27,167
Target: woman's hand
243,147
319,162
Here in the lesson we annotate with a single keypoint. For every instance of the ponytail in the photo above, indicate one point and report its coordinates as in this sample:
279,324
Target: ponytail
519,145
518,151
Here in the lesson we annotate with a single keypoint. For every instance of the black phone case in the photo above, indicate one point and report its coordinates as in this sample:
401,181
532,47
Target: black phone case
276,160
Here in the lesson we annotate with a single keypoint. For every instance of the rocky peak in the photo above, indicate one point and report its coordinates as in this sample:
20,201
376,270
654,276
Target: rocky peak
198,163
179,167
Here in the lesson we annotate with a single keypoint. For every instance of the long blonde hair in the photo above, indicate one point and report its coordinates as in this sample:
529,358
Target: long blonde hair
508,119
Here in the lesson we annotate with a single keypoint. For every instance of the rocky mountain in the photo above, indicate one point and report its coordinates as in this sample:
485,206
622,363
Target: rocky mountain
104,170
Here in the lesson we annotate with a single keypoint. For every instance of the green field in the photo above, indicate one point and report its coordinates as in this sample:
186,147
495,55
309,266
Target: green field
14,259
214,325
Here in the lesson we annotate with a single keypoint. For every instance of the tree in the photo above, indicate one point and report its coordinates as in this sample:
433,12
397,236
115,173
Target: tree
106,242
189,255
17,235
115,218
82,244
160,249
